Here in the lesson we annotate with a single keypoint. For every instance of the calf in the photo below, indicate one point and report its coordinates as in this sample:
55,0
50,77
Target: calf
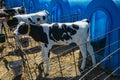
59,33
35,18
12,12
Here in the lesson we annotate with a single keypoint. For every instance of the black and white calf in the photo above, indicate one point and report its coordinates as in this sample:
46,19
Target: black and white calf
35,18
9,13
59,33
12,12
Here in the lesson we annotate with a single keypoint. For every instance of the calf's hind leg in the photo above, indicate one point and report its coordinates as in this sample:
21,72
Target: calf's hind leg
84,55
91,52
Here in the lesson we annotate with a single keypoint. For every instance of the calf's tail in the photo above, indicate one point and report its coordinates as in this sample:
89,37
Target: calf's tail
88,31
86,20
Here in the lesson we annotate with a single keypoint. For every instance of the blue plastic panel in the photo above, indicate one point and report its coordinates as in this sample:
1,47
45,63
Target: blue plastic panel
56,13
14,3
98,25
30,5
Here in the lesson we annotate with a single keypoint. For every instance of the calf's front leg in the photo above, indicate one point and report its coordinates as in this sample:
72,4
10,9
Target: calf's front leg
46,54
17,38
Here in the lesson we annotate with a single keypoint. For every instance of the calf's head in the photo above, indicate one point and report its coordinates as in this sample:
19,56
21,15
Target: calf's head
12,23
15,11
11,12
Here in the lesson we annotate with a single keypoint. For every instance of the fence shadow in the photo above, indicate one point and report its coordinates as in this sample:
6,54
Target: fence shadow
19,52
58,78
57,49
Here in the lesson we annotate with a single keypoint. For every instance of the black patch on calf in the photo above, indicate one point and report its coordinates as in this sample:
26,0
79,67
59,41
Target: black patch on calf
11,12
12,23
49,54
31,20
57,33
43,17
38,19
22,10
75,26
71,31
65,29
38,34
23,29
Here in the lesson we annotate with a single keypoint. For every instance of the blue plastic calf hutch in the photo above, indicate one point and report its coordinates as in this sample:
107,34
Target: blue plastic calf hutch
104,17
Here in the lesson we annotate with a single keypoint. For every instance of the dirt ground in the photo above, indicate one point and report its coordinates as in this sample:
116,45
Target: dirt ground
66,70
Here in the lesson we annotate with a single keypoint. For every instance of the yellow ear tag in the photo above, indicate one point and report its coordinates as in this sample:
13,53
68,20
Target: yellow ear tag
10,18
28,29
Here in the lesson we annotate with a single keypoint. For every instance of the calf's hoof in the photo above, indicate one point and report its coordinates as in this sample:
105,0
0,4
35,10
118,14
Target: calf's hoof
41,63
47,74
81,69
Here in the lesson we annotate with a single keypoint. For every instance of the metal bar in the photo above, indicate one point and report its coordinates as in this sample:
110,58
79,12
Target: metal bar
110,55
74,62
95,78
60,66
112,73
